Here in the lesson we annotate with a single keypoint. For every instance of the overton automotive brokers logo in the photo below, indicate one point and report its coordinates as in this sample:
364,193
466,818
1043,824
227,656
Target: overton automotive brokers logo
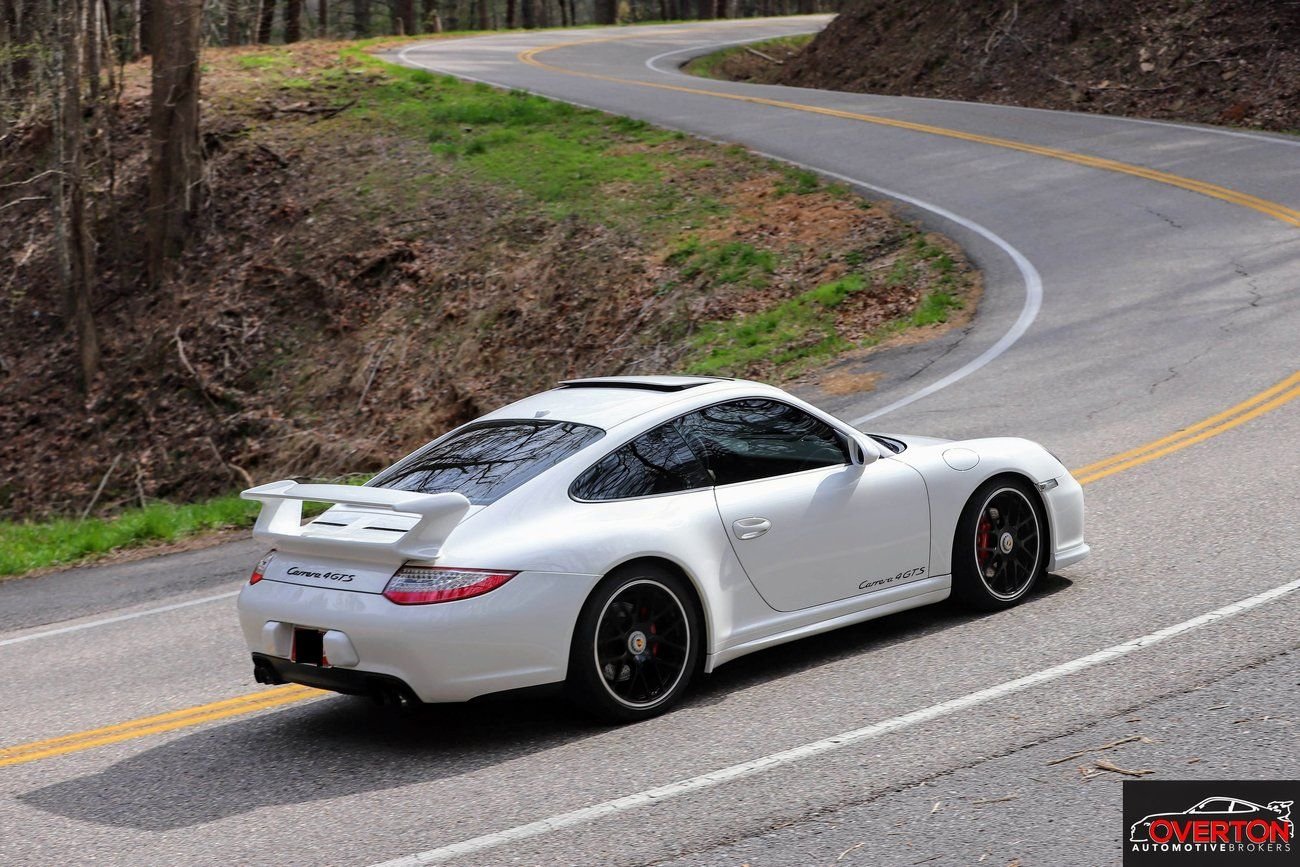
1222,822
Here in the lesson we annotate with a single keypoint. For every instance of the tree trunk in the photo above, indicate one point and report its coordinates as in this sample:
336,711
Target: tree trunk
323,22
528,8
76,247
484,15
406,20
266,23
360,18
807,7
512,14
292,21
234,22
145,25
175,160
606,11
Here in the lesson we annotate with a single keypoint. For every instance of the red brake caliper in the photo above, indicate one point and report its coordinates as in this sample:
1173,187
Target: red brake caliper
982,542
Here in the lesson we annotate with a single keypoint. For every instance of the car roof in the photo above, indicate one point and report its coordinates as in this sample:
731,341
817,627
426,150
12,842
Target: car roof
611,400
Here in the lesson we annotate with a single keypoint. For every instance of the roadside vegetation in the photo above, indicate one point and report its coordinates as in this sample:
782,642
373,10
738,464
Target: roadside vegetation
386,253
27,546
759,62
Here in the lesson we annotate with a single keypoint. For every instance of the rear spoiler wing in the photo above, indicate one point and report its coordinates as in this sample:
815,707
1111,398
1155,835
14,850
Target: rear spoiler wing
279,524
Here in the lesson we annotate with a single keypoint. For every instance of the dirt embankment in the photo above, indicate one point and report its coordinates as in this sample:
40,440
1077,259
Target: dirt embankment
1212,61
383,256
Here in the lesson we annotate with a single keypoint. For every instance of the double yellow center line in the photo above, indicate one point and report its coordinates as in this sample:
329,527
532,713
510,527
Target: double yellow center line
1267,400
1255,406
150,725
1245,200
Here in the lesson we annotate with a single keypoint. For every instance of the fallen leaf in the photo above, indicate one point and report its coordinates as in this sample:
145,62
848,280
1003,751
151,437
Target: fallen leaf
1103,765
981,803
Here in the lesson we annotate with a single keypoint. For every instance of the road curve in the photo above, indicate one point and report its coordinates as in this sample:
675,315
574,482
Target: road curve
1141,318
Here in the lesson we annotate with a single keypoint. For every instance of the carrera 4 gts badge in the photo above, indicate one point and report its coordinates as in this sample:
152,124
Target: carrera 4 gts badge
868,584
328,576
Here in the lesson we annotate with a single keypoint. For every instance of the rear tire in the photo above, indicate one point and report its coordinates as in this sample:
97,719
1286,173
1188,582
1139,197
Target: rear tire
636,644
1000,548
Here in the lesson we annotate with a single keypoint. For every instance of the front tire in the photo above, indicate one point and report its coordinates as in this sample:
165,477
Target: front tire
1000,548
636,644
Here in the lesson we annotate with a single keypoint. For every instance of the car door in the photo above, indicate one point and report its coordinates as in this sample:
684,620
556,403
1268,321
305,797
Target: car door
808,526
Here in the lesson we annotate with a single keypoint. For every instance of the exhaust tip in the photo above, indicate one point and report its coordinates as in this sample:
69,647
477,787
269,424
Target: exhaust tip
264,672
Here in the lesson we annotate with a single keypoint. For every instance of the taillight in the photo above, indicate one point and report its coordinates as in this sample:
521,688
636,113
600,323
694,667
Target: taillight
260,569
422,585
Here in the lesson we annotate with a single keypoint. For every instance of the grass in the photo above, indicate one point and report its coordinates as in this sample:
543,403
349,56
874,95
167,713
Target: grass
573,162
723,263
265,60
799,329
36,545
709,66
802,330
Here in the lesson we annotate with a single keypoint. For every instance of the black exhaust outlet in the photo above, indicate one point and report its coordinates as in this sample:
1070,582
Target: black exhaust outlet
264,672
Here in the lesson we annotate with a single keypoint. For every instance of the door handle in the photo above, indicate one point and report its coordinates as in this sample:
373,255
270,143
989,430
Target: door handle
750,528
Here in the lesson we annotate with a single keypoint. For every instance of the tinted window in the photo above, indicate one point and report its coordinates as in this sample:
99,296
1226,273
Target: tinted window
755,439
487,461
657,462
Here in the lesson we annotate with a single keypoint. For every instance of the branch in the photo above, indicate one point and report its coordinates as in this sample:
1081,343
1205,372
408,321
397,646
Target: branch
16,202
33,179
769,58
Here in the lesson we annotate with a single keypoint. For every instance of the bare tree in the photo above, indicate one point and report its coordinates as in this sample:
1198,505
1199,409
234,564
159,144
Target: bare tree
234,22
405,20
175,160
266,22
76,247
360,18
292,20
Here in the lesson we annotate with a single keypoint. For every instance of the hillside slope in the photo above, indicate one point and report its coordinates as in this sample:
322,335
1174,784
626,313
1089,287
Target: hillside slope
1211,61
386,254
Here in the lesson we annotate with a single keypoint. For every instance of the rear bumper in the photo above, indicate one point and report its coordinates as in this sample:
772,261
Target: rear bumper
515,637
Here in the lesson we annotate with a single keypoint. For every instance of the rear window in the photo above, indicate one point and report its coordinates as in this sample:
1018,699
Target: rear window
487,461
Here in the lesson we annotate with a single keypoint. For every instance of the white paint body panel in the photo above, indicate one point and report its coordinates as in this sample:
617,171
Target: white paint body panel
832,531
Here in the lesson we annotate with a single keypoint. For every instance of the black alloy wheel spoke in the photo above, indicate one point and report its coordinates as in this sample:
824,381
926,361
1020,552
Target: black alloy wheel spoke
645,614
1007,573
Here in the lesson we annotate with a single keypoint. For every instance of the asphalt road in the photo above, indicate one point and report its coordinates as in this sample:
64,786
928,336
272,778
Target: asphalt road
1125,300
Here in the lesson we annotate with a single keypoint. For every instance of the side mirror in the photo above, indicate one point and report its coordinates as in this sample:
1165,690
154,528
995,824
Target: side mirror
862,449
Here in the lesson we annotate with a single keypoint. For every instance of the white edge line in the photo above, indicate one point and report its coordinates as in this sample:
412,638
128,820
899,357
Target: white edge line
77,627
1032,280
834,742
1029,274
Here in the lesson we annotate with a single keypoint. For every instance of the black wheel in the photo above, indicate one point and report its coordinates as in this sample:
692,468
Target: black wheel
1000,549
636,644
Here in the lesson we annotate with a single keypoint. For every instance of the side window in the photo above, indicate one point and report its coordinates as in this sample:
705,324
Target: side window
657,462
755,439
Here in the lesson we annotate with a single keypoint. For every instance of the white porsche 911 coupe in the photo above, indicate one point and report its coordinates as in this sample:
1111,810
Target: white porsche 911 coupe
618,536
